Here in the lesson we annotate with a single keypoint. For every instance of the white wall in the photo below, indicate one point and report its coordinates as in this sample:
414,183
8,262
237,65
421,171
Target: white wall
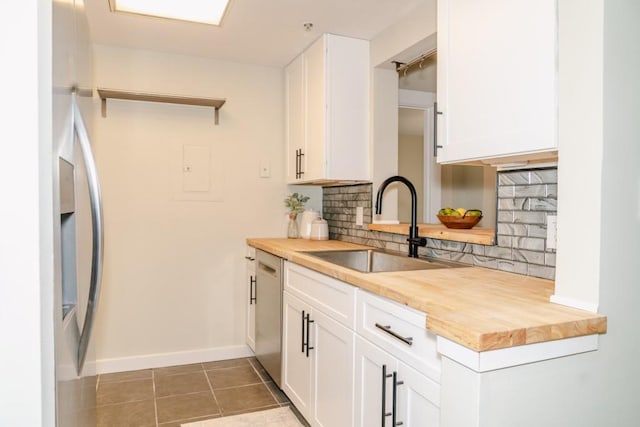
580,142
619,273
412,30
471,187
26,264
411,166
174,269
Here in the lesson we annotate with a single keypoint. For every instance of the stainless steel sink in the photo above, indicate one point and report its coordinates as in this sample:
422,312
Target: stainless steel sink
378,260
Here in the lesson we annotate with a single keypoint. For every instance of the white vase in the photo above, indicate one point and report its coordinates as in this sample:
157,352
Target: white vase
305,222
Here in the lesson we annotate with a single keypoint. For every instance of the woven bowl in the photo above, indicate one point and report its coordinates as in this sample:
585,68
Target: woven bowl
459,222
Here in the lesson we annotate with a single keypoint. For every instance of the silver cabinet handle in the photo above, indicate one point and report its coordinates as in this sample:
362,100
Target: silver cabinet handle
394,407
436,113
308,320
249,258
97,229
253,290
387,329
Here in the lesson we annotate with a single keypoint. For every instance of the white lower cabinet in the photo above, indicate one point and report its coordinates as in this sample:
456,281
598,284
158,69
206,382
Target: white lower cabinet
251,297
334,347
397,365
342,349
418,398
372,399
296,365
317,373
413,400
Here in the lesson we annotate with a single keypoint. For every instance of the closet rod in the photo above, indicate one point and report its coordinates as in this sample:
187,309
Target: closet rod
403,67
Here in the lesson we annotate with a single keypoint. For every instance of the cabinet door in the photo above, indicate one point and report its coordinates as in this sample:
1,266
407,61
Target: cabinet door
372,369
496,78
316,107
333,350
251,290
295,106
296,363
418,399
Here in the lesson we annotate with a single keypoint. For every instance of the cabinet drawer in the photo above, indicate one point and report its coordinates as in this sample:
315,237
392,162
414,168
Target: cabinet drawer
400,330
334,298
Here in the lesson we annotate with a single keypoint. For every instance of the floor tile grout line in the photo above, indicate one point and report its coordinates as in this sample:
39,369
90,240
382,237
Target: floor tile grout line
155,403
264,383
237,386
211,388
124,402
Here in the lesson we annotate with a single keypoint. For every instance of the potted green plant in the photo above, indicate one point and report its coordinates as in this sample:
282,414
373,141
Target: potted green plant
295,202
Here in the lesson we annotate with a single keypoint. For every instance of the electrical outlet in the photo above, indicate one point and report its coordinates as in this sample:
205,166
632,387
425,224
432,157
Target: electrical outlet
552,229
359,215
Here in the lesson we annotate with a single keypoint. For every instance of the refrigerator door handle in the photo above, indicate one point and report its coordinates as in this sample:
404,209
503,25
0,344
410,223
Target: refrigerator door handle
97,229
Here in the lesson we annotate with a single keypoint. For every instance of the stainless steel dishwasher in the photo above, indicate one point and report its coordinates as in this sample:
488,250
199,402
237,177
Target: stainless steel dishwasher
268,294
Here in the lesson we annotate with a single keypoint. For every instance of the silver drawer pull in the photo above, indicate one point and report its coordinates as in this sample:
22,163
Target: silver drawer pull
387,329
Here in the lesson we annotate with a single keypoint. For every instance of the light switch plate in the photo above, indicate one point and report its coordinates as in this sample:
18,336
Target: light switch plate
265,169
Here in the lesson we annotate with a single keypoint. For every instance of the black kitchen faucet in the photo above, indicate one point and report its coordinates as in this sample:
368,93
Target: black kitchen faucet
414,240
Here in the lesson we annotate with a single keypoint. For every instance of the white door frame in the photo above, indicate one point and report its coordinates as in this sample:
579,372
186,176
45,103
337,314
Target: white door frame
420,100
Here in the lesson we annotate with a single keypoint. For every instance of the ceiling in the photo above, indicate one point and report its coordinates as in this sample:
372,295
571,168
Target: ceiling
265,32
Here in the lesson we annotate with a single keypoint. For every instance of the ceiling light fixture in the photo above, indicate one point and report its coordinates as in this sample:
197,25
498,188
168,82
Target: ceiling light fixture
203,11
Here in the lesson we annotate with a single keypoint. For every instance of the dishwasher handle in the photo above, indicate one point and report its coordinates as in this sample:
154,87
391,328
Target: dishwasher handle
267,268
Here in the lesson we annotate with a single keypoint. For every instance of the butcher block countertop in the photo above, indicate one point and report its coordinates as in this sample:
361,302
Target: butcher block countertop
480,308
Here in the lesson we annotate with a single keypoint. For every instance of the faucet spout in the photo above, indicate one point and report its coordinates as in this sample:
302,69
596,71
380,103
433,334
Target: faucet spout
414,240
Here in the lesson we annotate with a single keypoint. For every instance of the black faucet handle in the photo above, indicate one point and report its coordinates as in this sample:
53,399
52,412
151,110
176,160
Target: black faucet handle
418,241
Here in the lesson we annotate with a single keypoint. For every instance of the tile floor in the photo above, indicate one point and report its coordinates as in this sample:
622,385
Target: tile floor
167,397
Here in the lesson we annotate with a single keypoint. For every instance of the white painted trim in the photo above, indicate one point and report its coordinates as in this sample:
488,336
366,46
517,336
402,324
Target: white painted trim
570,302
514,356
158,360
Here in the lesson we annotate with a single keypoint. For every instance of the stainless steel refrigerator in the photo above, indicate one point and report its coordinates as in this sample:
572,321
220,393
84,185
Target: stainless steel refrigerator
78,241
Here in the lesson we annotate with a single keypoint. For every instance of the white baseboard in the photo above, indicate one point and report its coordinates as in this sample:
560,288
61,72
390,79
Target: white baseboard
569,302
122,364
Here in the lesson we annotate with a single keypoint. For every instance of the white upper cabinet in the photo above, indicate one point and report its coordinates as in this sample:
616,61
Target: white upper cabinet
497,67
327,120
294,86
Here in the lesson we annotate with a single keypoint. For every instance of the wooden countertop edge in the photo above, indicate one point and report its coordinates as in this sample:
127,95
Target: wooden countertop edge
477,235
519,336
442,320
